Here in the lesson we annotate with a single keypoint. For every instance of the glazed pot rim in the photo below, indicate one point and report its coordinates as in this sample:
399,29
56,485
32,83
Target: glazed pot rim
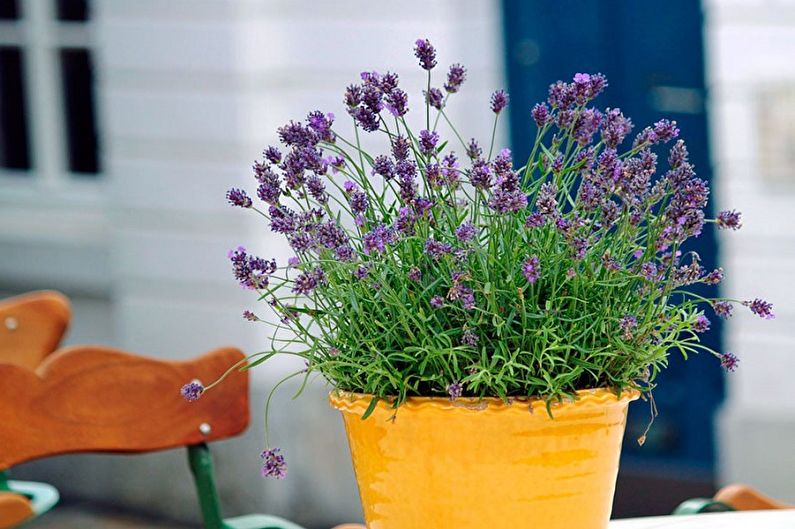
585,398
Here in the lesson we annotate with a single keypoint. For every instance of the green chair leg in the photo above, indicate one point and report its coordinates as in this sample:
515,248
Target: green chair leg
701,505
201,464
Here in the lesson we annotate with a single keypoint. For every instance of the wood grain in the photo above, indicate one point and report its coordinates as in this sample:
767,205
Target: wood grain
745,498
31,327
14,509
99,399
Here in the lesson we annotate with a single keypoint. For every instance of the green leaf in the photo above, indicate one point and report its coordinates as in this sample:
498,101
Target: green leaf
371,408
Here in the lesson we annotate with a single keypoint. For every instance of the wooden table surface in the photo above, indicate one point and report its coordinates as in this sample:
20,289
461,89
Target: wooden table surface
729,520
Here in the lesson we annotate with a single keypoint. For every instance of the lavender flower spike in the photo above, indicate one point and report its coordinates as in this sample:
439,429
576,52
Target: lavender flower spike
499,100
239,198
192,391
531,269
455,78
729,361
426,53
273,464
455,390
428,141
761,308
729,220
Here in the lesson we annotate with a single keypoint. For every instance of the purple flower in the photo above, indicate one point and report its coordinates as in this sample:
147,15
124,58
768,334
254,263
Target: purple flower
400,148
616,128
296,135
331,236
272,154
428,141
359,202
508,201
579,247
317,189
627,324
473,149
499,100
723,309
469,338
192,391
273,464
729,220
377,239
480,174
455,78
250,316
649,271
252,272
729,362
540,113
239,198
546,203
426,53
406,171
362,271
465,232
587,86
701,324
269,189
437,302
293,262
531,269
344,252
397,102
535,220
384,166
435,98
665,130
714,277
415,274
455,390
321,124
761,308
307,282
436,249
561,95
450,169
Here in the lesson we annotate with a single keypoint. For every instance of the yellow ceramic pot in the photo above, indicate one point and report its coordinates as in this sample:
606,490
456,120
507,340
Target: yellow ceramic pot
476,463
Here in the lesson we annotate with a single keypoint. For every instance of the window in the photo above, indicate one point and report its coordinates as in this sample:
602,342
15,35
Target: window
48,118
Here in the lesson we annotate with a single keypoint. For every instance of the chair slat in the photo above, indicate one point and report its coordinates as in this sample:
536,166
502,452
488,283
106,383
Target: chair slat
14,509
31,327
99,399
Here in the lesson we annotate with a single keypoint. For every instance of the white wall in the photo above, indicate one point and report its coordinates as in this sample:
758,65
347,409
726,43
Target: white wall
751,76
190,93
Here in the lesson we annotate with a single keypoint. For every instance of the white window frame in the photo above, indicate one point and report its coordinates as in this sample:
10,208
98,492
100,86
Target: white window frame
47,205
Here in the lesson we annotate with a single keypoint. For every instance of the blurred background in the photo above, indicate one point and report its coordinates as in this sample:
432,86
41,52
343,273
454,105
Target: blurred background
123,123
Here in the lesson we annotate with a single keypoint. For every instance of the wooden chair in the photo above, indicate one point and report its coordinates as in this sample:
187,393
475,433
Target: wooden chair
734,497
32,326
98,399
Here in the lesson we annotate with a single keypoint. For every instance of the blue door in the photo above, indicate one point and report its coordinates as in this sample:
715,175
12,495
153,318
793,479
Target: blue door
653,56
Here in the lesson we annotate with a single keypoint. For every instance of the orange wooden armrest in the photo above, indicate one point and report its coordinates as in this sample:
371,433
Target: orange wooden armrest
31,327
14,509
745,498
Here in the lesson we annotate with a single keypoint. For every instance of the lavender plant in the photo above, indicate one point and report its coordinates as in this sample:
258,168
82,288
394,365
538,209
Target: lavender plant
437,267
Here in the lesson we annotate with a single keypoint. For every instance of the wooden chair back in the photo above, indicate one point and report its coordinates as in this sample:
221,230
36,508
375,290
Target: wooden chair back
99,399
744,498
31,327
